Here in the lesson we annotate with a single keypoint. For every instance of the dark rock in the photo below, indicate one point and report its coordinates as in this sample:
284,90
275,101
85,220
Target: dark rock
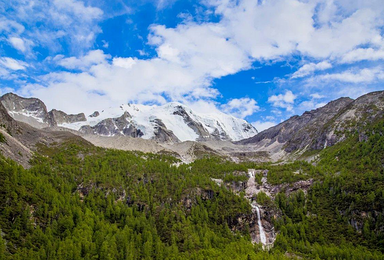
162,134
60,117
121,126
95,114
196,127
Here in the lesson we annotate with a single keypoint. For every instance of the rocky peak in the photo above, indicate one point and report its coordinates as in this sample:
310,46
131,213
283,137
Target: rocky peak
27,109
307,130
322,127
114,127
34,112
60,117
172,122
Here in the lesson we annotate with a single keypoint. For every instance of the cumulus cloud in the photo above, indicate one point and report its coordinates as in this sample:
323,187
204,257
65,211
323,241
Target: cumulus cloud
47,22
145,81
366,75
267,29
191,55
285,101
83,62
368,54
310,105
309,68
124,62
17,43
203,48
263,125
241,107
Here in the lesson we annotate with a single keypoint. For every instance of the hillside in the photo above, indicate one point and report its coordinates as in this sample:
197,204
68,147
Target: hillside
82,202
322,127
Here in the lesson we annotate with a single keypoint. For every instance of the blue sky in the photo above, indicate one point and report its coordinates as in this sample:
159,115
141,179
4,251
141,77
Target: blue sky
262,60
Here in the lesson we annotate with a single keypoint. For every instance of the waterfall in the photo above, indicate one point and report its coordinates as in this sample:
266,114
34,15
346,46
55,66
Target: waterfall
263,238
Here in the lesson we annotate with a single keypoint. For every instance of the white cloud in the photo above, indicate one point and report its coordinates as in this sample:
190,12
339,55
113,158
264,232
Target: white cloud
5,90
340,36
10,67
241,107
263,125
203,48
12,64
361,54
192,54
283,101
309,68
47,22
267,30
316,96
124,62
366,75
84,62
17,43
10,26
309,105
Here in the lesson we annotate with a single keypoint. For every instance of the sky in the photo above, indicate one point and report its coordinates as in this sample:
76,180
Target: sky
261,60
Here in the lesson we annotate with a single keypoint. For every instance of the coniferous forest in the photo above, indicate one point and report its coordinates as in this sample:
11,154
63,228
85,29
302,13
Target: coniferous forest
83,202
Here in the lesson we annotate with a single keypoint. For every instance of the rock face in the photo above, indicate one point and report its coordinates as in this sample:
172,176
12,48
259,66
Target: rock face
325,126
114,126
59,117
124,126
34,112
172,122
20,138
29,110
95,114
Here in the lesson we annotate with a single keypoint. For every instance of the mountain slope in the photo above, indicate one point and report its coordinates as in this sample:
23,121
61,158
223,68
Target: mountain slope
19,140
34,112
172,122
323,127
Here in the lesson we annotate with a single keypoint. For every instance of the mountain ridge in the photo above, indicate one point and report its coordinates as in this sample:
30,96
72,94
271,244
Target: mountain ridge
172,122
321,127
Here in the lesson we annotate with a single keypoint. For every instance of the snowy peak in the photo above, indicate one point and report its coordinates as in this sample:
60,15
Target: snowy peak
30,110
172,122
34,112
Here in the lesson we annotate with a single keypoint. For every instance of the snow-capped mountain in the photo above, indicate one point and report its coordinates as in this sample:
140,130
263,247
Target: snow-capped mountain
171,122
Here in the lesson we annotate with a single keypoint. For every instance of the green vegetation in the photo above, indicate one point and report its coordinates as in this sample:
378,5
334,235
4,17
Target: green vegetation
2,138
82,202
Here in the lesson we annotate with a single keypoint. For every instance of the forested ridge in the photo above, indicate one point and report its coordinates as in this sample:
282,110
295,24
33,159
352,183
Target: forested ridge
84,202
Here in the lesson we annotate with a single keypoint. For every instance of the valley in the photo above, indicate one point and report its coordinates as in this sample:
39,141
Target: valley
310,187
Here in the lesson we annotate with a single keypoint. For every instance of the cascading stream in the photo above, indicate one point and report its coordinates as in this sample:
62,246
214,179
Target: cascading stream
263,238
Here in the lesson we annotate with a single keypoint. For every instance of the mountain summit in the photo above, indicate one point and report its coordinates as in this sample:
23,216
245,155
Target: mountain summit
172,122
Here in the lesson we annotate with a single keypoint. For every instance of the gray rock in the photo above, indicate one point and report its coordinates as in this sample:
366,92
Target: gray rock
196,127
162,134
95,114
325,126
59,117
31,106
114,126
301,131
34,112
